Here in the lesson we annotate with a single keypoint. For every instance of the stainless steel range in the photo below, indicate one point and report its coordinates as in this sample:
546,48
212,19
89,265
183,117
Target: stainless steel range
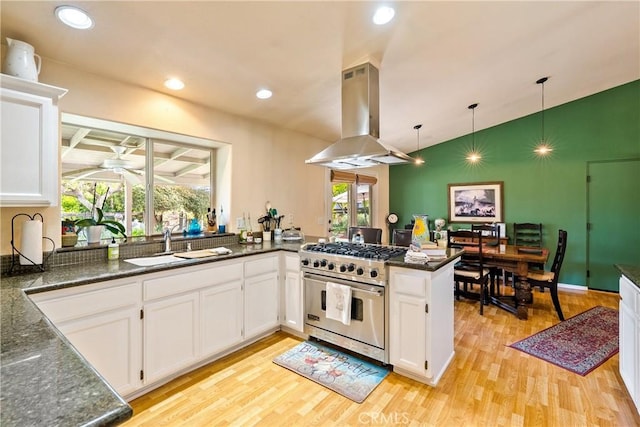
362,268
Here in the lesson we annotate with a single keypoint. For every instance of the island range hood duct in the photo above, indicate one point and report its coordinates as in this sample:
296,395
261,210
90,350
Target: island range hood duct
359,146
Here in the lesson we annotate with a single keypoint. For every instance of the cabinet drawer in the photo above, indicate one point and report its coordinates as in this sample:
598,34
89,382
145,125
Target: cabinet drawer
630,294
292,262
69,307
258,266
183,281
408,282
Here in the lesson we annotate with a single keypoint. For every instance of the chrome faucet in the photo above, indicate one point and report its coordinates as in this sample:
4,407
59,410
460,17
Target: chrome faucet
166,235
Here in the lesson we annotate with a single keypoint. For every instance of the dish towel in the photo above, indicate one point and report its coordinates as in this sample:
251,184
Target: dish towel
339,302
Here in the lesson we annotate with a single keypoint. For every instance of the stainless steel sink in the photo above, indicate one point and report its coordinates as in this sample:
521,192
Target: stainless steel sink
153,260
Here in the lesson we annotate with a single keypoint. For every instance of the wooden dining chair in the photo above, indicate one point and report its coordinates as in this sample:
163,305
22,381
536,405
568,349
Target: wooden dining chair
401,237
527,234
549,279
490,237
470,269
370,235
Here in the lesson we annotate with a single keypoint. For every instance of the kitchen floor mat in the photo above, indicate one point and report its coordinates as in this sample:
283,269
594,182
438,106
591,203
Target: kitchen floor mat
347,375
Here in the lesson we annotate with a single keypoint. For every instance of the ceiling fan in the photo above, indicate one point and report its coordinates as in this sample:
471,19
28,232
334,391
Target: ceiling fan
120,166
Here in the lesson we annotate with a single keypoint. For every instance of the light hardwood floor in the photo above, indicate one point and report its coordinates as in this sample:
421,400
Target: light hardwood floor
487,384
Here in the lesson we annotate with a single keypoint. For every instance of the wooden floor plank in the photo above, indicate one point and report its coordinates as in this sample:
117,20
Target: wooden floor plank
487,384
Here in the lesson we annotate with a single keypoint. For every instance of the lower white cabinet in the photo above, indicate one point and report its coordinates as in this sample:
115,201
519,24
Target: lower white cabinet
630,338
261,295
221,317
141,331
171,335
421,322
102,321
293,298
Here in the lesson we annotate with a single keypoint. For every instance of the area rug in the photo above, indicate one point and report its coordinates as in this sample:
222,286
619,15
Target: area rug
351,377
579,344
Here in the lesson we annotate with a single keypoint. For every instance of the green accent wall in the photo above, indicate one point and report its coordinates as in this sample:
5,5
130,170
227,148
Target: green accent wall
551,190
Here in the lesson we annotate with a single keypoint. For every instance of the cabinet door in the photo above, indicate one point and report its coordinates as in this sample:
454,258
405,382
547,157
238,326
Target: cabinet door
630,337
29,144
111,343
221,314
293,300
171,334
407,333
260,304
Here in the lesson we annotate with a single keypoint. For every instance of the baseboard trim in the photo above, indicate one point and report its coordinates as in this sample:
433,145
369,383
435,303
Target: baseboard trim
572,287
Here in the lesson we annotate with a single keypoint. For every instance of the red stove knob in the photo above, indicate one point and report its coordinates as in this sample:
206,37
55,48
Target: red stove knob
323,263
343,268
360,271
351,267
374,273
331,266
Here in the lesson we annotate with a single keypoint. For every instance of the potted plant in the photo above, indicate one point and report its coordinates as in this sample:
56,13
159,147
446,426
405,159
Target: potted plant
97,222
95,225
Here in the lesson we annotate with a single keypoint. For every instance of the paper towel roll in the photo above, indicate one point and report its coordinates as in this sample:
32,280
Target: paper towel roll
31,242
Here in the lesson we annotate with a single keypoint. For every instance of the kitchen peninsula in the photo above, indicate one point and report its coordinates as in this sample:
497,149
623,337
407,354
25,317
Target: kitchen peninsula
45,380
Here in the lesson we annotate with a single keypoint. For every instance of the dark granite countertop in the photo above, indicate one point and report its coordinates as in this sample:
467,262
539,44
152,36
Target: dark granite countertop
632,272
429,266
45,381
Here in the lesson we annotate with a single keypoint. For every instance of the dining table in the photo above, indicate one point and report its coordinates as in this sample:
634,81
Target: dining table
517,260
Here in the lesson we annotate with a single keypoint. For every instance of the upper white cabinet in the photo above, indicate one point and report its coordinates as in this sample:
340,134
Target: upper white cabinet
630,338
29,140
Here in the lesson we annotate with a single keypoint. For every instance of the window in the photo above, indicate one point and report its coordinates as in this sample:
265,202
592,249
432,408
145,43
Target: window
111,170
351,202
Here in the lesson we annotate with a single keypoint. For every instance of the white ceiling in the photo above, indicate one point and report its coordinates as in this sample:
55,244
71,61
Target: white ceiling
435,58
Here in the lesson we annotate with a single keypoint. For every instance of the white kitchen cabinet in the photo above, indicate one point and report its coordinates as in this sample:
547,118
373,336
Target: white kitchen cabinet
103,323
293,298
29,139
421,322
630,338
221,317
171,335
261,295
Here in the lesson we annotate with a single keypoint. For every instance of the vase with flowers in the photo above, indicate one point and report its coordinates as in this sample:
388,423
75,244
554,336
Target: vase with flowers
93,226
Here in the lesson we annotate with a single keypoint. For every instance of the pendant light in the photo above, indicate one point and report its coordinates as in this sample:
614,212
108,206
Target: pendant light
418,160
473,156
543,147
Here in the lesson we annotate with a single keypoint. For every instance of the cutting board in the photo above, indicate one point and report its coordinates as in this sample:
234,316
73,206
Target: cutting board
203,253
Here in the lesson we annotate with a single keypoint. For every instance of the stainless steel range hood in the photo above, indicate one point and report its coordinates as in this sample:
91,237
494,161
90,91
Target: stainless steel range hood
359,146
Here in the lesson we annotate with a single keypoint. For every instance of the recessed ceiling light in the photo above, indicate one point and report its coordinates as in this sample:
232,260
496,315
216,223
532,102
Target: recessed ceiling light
264,94
74,17
383,15
174,84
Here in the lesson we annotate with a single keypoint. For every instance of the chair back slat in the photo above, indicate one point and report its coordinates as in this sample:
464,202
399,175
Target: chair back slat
527,234
560,251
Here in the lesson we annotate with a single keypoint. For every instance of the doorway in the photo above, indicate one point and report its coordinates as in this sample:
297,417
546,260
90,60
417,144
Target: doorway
613,218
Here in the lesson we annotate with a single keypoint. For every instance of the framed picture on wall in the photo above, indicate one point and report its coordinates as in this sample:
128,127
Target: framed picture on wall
476,202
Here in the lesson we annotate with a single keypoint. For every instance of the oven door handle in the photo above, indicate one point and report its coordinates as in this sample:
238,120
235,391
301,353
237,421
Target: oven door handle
376,293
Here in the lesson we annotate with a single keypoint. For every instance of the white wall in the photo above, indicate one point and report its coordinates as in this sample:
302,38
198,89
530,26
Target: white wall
266,162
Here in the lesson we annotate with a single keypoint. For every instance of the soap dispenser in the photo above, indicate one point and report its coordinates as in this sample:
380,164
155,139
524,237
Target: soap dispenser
113,251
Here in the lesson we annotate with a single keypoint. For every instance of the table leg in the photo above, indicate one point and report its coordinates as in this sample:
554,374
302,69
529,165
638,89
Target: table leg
522,290
523,296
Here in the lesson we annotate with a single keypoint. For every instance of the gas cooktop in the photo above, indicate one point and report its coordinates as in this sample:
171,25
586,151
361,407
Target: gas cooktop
357,250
